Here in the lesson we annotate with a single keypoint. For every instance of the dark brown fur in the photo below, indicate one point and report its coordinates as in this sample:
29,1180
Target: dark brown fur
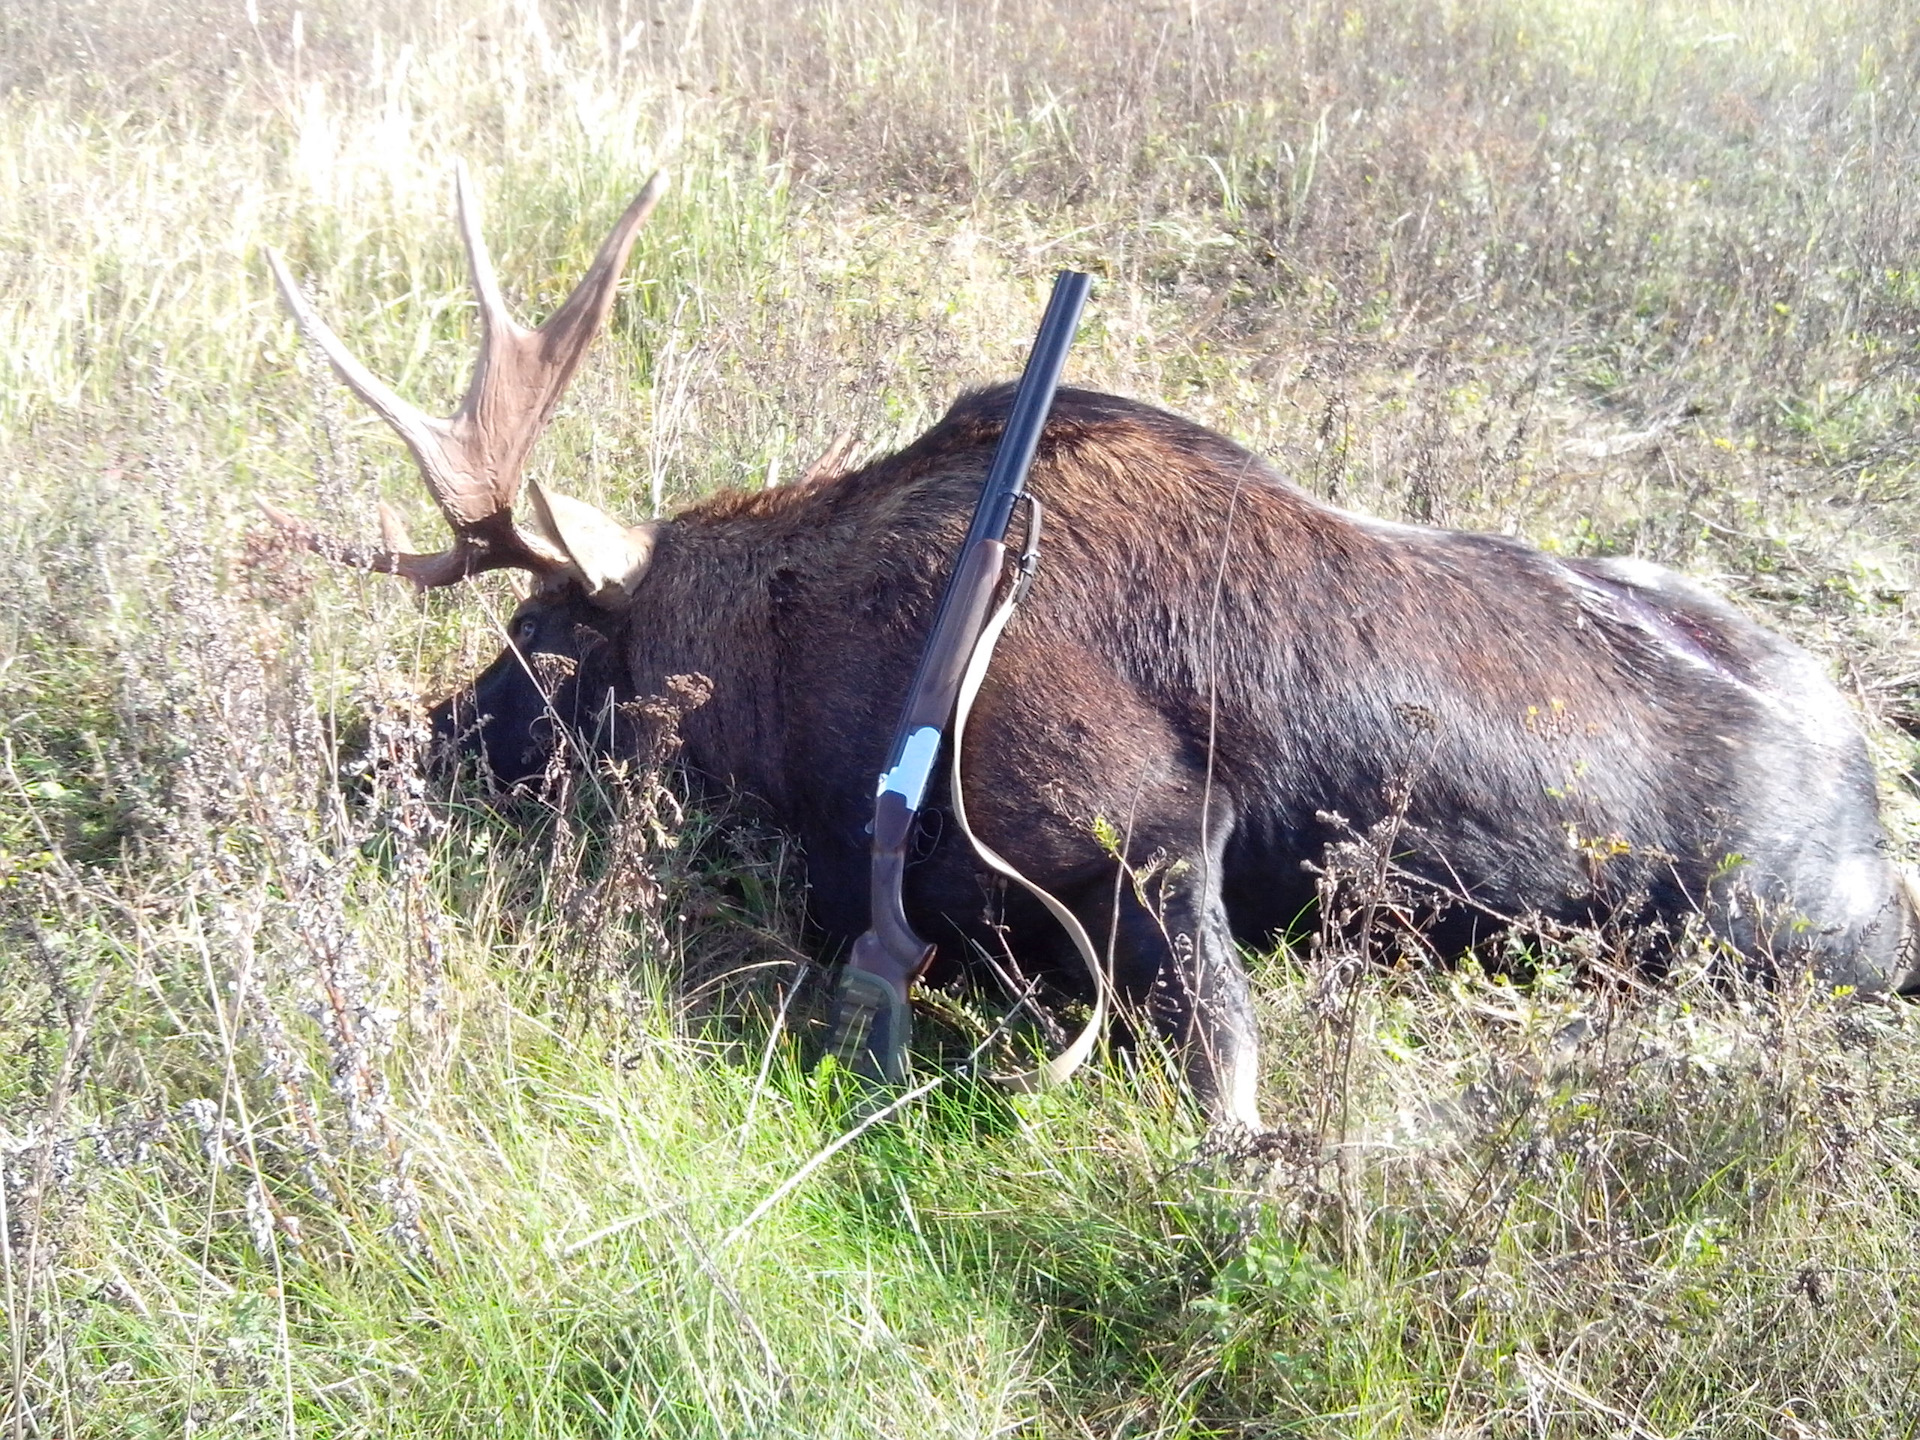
1234,675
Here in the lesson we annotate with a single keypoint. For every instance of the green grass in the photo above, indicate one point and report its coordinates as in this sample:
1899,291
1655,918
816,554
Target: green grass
333,1106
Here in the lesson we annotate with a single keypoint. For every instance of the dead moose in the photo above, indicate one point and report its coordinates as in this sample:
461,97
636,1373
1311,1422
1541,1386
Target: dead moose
1212,664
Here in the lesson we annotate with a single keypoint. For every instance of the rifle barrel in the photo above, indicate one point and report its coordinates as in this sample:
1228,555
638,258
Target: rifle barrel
963,604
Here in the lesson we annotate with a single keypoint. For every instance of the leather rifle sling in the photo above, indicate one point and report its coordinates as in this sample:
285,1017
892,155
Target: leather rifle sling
1060,1067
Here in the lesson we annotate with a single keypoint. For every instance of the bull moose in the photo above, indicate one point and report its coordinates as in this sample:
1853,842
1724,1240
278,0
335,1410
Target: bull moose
1213,666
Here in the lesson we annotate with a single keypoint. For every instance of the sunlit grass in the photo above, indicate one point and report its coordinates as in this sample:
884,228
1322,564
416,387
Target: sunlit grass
329,1108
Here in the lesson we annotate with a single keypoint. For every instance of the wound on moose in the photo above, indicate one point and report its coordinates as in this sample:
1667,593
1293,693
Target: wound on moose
1215,677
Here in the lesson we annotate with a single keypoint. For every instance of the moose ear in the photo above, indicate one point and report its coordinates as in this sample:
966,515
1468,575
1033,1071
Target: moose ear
611,557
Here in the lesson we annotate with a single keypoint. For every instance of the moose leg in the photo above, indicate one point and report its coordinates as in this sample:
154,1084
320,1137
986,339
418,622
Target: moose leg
1115,763
1162,926
1174,961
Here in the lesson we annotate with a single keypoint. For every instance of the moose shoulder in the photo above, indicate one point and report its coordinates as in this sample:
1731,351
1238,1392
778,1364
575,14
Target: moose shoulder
1216,668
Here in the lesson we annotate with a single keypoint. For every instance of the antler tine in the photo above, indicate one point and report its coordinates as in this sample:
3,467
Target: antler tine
833,460
569,329
494,316
423,433
471,462
522,373
443,567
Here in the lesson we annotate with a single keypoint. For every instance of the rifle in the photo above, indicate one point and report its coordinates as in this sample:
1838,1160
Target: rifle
871,1020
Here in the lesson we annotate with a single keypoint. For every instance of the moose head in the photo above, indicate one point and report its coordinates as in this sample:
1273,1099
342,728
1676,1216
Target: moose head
558,667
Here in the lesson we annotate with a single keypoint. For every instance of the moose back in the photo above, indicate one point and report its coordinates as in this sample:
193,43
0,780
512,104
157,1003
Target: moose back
1215,668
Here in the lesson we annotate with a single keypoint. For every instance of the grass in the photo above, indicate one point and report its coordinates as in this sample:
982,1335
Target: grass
336,1104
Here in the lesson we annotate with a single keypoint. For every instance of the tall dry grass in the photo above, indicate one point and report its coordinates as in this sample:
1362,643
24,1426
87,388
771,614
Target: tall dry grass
335,1102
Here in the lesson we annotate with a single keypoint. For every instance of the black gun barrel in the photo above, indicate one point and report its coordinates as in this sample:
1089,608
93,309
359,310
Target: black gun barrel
964,601
1032,400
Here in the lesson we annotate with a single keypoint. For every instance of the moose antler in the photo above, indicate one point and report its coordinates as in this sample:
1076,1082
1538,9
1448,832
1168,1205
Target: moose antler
471,460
